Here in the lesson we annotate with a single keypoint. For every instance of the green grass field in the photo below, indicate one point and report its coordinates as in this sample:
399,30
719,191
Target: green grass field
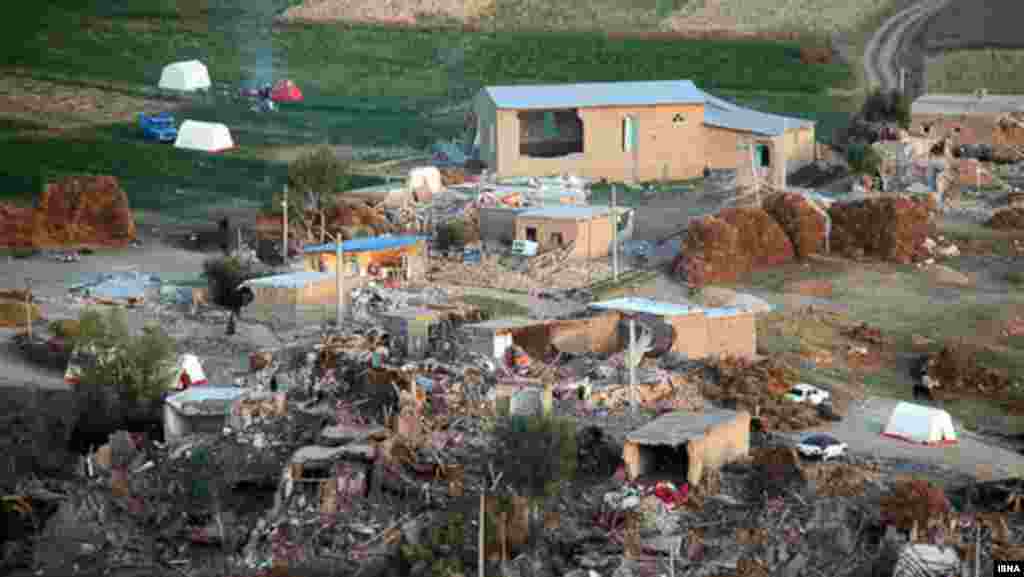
364,87
964,71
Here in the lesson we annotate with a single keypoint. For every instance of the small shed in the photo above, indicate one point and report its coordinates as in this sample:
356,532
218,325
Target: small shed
587,228
198,410
492,338
378,256
683,444
298,288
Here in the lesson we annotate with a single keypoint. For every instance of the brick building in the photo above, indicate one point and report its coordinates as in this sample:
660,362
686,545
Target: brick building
587,228
633,131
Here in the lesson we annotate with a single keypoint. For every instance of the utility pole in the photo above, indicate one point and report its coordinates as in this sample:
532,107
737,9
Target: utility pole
284,220
615,239
28,307
903,81
635,402
339,271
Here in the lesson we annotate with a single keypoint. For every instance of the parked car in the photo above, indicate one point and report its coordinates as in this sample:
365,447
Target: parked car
820,446
804,393
159,127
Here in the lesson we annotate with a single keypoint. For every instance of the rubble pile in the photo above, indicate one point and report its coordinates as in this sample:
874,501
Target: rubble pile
913,503
805,227
892,229
1007,219
954,371
552,270
759,387
840,479
79,210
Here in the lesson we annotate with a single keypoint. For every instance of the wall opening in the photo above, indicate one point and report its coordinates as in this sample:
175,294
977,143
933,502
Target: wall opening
764,155
556,239
663,462
531,234
550,133
629,134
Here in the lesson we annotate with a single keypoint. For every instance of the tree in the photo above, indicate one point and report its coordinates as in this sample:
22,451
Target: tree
863,159
892,106
225,275
316,174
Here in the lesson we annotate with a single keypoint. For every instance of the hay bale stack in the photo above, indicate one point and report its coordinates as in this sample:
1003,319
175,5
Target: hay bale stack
83,210
717,244
891,229
15,226
1007,219
804,225
762,240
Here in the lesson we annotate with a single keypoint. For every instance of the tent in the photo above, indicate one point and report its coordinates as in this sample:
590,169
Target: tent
285,91
920,424
185,76
189,372
208,136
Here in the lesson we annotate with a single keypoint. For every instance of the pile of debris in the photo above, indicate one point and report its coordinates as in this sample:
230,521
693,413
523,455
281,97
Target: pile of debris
759,387
892,229
1007,219
954,372
553,270
78,210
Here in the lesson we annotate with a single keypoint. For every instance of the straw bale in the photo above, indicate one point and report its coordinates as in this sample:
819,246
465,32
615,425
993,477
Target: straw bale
85,210
762,240
891,229
804,225
717,244
1007,219
16,226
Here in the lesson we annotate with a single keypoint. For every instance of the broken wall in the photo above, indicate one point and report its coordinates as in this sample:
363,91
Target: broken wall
597,334
731,335
723,443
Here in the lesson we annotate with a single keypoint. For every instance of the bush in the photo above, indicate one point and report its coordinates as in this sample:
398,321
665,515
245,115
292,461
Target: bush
863,159
451,235
318,173
892,106
538,453
224,275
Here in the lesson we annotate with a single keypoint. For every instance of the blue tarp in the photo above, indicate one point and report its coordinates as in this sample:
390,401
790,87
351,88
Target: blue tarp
117,286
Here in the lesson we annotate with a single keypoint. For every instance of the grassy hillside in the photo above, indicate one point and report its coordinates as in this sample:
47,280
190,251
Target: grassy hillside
365,86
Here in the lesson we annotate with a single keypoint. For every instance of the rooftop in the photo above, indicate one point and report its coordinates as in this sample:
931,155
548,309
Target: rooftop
499,324
412,313
205,400
968,104
566,212
717,112
288,280
679,427
646,306
366,244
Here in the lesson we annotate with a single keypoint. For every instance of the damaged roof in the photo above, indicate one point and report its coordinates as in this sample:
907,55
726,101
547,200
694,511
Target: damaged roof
367,244
289,280
679,427
205,400
646,306
717,112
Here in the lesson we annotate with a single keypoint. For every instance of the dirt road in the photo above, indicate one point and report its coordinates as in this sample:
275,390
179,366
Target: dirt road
886,49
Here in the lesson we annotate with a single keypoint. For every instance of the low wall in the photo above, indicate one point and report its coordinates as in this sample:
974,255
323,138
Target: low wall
721,444
732,335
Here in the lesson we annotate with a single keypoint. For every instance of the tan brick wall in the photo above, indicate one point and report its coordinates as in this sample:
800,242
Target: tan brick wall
722,152
592,237
665,149
691,335
599,334
721,444
732,335
974,129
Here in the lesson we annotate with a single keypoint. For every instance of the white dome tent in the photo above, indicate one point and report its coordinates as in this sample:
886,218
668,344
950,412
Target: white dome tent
205,136
920,424
187,76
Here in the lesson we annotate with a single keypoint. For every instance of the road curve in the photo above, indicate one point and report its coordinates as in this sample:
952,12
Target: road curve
884,45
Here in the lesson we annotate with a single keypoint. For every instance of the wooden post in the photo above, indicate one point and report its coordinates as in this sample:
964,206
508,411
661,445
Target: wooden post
284,220
28,308
323,225
480,562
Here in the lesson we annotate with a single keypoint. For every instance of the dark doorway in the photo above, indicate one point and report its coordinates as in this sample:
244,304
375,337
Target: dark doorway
556,239
668,463
531,234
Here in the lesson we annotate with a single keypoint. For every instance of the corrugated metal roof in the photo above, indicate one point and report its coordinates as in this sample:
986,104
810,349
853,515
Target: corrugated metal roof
565,212
205,400
589,94
717,112
366,244
679,427
289,280
646,306
725,114
957,104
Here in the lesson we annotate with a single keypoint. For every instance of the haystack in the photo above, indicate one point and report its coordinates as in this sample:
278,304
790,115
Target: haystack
717,244
762,240
804,225
1007,219
86,210
891,229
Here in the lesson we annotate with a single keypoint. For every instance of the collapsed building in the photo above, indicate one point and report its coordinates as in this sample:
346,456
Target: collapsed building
996,120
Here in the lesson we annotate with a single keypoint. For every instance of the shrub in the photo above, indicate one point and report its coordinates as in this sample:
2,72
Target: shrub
317,174
892,106
224,275
538,453
451,234
863,159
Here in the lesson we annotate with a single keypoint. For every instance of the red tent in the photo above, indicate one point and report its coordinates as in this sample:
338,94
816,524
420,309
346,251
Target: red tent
285,91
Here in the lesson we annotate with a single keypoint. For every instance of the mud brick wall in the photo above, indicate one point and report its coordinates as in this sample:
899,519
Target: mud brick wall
691,335
734,335
721,444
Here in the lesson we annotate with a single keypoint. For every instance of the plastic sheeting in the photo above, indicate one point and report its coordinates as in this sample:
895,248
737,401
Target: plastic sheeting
117,286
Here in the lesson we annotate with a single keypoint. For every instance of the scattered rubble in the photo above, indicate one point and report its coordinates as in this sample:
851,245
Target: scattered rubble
759,387
954,372
1011,218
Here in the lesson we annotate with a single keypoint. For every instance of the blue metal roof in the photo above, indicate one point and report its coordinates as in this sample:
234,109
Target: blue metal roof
646,306
289,280
725,114
573,212
717,112
724,312
200,394
544,96
366,244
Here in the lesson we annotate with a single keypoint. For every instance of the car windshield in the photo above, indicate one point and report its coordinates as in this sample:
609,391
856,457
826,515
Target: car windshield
820,441
797,392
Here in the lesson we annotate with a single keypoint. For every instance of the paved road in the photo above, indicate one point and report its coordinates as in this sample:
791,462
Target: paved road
862,427
883,49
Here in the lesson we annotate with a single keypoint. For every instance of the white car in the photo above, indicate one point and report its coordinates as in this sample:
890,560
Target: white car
804,393
819,446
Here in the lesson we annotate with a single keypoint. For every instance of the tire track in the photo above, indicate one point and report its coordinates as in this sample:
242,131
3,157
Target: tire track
882,49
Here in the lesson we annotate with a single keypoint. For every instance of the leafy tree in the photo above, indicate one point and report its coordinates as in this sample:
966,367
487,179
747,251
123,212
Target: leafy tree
863,159
316,174
892,106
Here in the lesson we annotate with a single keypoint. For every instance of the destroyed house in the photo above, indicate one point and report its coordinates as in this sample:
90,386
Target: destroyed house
967,119
684,444
587,229
379,256
198,410
639,131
